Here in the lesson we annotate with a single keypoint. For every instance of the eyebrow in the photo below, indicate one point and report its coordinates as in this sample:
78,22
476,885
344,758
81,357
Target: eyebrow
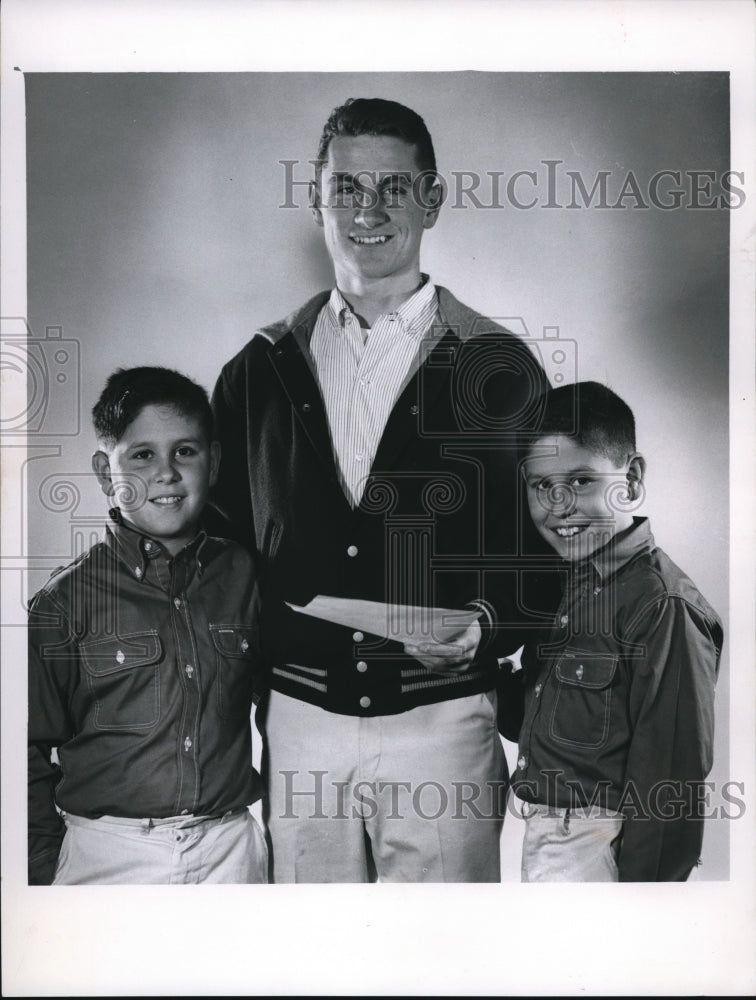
174,444
383,179
568,474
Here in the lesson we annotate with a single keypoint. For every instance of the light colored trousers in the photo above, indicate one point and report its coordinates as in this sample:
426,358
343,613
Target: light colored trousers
414,797
570,845
179,850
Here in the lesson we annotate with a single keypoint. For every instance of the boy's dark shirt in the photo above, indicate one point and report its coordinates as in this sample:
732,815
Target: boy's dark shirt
141,673
619,703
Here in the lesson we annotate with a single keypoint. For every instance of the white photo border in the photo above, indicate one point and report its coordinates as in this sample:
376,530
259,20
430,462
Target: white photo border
413,940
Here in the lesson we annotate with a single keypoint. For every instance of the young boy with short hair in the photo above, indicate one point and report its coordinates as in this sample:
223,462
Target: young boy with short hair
143,660
619,695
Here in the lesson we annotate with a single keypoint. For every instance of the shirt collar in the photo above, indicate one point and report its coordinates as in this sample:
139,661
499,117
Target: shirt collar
415,313
136,550
634,541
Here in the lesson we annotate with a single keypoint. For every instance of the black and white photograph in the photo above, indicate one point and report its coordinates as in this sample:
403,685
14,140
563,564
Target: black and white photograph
377,469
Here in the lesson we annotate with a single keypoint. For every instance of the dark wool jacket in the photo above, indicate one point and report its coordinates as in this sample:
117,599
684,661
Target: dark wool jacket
440,523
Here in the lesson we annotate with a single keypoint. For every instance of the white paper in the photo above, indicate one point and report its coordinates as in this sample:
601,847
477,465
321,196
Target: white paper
400,622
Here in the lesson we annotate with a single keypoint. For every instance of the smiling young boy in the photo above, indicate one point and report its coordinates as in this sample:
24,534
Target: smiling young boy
143,658
619,695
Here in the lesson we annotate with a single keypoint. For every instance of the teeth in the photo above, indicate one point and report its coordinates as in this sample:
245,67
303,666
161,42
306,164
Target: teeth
568,532
165,501
370,240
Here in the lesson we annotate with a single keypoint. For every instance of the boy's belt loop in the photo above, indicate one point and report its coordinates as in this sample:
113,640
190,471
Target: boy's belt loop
231,813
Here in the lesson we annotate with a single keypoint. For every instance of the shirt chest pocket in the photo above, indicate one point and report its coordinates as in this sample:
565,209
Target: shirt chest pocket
582,706
236,668
122,674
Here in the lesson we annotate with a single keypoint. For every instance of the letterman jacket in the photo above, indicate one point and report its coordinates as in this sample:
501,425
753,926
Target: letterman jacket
440,523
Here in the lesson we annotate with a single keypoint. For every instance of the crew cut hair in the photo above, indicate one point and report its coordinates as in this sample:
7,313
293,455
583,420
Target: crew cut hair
377,116
128,390
593,416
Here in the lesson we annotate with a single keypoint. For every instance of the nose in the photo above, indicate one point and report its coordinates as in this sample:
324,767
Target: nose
370,212
167,470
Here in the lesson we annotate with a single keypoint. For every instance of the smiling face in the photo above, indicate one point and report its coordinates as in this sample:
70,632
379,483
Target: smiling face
160,473
579,498
372,213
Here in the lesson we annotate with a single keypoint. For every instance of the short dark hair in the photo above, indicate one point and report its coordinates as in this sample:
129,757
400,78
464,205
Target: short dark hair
376,116
129,390
593,416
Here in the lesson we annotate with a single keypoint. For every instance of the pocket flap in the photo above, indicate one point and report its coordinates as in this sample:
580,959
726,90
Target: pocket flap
587,671
124,652
234,640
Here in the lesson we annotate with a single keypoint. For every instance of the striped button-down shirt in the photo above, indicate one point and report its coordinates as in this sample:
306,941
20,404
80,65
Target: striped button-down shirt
361,378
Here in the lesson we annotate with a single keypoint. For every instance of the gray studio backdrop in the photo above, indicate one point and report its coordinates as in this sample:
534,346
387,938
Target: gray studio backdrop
167,218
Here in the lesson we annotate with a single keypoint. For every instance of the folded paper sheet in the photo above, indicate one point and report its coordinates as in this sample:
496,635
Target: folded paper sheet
400,622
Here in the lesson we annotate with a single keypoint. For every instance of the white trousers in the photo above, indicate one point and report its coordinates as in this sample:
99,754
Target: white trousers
414,797
570,845
177,851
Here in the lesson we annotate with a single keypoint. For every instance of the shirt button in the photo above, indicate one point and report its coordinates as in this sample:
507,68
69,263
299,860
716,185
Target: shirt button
564,619
364,701
358,457
358,636
176,603
187,744
596,591
537,689
352,551
522,763
361,666
189,670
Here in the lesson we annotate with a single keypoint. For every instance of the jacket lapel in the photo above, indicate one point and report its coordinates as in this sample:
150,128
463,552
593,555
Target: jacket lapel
455,323
295,369
430,379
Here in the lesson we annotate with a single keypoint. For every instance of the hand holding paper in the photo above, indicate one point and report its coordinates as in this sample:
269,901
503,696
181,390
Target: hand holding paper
452,657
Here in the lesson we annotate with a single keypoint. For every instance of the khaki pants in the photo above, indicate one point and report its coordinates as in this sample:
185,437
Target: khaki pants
414,797
570,845
180,850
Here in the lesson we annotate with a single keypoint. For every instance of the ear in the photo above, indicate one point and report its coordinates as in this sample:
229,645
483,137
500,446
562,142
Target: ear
636,469
316,202
215,457
433,199
101,469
